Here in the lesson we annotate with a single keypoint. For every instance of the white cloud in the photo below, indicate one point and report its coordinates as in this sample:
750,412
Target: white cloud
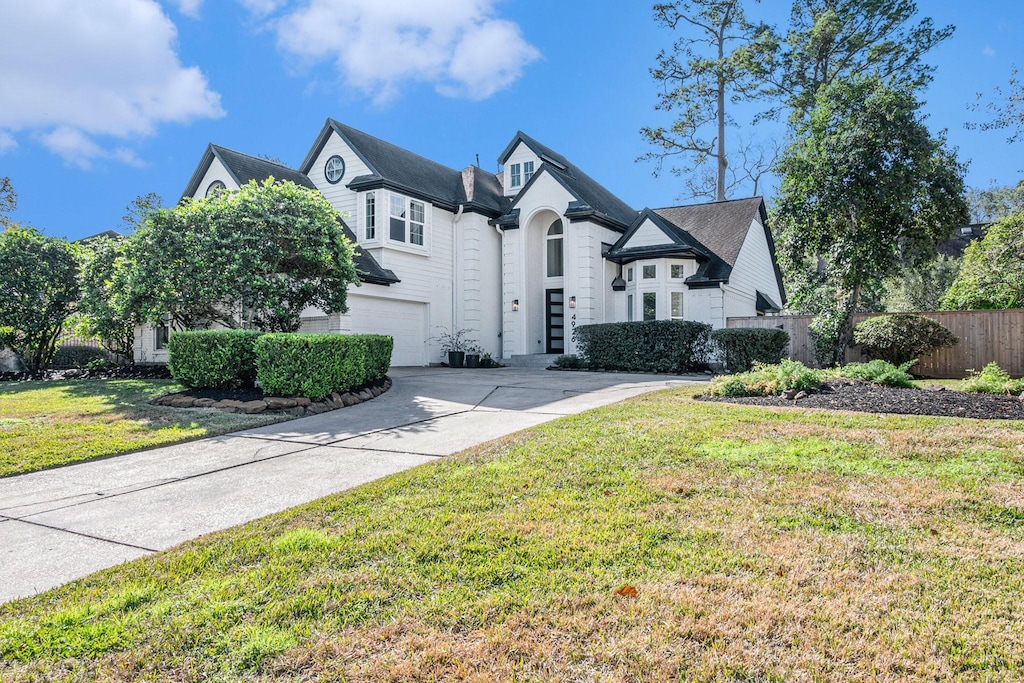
379,46
988,51
74,72
189,7
262,8
7,142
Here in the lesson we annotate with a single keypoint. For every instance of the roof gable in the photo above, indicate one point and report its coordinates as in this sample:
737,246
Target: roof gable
243,168
546,154
713,233
399,169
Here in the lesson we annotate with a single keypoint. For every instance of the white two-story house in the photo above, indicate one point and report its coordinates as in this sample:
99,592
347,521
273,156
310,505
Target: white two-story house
518,258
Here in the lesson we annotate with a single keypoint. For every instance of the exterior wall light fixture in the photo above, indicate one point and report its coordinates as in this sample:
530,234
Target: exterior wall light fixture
515,304
572,302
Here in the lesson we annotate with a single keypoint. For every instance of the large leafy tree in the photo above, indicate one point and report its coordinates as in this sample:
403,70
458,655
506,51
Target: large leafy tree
103,301
39,281
708,68
254,258
829,41
992,273
866,188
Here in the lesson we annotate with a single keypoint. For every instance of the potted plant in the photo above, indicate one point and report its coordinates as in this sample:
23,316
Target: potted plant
454,344
473,356
485,361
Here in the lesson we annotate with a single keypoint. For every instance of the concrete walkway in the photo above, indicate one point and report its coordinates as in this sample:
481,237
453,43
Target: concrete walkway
64,523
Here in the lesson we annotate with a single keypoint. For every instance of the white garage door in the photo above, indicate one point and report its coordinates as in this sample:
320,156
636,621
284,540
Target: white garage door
406,321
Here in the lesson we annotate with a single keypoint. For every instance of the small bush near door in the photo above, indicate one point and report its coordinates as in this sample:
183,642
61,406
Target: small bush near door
744,347
314,365
213,359
649,346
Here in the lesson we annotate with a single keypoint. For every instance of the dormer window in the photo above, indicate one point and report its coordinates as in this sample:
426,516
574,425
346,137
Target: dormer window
417,219
397,218
407,220
516,175
371,216
527,171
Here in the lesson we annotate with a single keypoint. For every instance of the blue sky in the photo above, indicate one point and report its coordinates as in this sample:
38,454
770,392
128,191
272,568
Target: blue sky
106,100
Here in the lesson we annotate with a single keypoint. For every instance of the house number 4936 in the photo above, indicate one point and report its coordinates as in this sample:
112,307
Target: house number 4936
574,320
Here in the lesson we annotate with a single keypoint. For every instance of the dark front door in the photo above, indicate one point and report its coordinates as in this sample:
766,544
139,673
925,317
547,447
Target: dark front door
555,313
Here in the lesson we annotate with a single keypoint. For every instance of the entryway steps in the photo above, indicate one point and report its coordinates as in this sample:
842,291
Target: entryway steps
536,360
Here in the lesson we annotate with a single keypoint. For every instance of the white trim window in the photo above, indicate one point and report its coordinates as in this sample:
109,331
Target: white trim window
370,219
397,219
678,271
516,178
417,222
555,250
650,301
677,305
629,308
527,171
650,272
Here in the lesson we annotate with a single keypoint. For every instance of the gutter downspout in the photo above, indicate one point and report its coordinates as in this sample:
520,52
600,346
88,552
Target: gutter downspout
455,269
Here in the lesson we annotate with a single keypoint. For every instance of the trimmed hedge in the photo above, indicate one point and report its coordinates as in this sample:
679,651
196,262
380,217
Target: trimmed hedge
744,347
650,346
213,359
901,337
314,365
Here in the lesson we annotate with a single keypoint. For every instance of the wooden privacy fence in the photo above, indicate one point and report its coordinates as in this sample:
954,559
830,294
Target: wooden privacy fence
985,337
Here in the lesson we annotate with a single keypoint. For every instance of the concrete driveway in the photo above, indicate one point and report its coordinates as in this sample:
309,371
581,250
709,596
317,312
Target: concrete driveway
64,523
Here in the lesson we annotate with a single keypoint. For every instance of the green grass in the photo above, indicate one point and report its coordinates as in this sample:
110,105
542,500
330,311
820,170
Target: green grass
763,545
45,424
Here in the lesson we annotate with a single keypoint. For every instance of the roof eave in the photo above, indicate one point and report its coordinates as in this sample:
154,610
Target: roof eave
363,183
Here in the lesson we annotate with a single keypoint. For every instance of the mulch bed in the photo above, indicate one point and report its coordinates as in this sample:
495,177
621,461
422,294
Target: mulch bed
127,372
866,397
254,401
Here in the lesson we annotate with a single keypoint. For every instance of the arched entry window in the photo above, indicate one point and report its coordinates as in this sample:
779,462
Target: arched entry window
554,250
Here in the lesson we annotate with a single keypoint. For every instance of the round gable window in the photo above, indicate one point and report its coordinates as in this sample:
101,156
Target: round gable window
334,169
215,187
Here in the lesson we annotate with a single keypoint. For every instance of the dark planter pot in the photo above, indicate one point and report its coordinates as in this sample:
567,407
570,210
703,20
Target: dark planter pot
472,360
455,358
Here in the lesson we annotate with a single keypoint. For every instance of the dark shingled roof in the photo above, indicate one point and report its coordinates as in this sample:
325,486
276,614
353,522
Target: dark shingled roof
369,270
106,234
245,168
242,168
594,200
404,171
955,245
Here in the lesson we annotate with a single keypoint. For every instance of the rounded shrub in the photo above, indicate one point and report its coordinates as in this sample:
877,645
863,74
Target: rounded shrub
213,359
742,347
901,337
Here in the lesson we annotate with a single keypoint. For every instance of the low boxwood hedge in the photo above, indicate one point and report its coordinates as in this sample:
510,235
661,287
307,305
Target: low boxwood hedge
314,365
649,346
742,347
213,359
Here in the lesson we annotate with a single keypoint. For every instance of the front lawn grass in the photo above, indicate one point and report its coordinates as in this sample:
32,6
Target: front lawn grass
657,539
45,424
